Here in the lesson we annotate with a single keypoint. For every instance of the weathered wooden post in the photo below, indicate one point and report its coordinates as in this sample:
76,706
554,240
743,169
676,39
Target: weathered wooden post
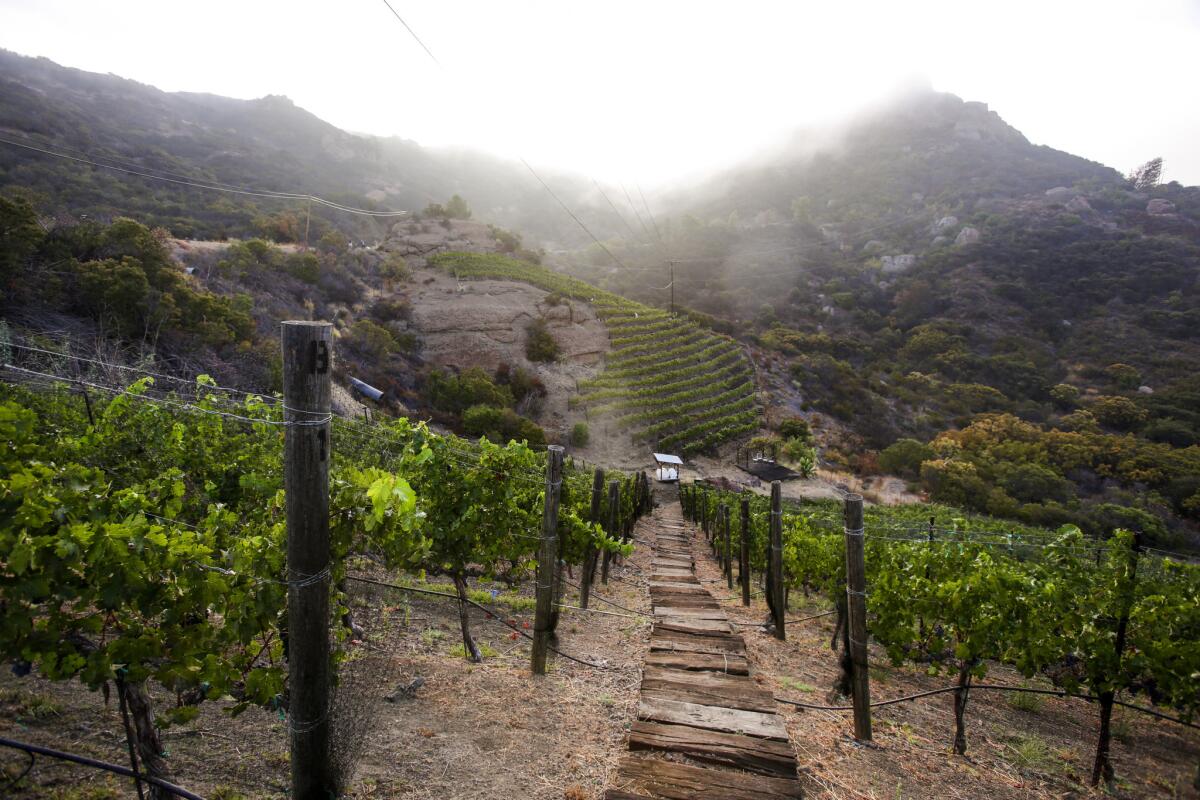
547,558
614,522
307,372
728,547
592,555
744,560
775,583
856,610
704,512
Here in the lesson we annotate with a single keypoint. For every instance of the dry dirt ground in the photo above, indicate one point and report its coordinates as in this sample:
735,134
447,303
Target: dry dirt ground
471,731
1043,750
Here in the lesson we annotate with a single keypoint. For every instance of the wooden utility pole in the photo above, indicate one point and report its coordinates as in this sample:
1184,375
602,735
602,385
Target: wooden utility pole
856,611
592,554
307,372
614,521
547,561
775,583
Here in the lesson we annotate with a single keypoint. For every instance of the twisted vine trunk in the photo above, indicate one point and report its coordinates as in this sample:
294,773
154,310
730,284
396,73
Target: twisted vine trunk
961,695
844,685
470,649
148,744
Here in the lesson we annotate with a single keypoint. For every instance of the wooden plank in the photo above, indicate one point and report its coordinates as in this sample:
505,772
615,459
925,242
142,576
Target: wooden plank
691,587
764,756
682,601
713,718
692,612
714,662
652,777
708,688
696,643
689,625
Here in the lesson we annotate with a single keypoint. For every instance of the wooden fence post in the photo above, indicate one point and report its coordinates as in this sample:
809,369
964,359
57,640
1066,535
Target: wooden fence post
704,512
856,611
775,582
728,547
614,522
592,555
307,387
744,560
547,560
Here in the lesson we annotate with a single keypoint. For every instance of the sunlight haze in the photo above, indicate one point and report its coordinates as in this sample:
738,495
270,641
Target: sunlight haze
652,92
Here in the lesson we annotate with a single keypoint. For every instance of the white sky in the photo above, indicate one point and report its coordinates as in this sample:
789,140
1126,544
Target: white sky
652,90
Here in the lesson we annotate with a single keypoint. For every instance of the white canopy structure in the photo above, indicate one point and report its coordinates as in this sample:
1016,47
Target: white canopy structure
667,467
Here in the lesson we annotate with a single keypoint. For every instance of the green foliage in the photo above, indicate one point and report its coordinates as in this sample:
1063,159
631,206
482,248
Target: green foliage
539,343
795,428
801,455
457,393
904,458
580,435
20,236
1114,411
1064,396
457,208
501,425
373,339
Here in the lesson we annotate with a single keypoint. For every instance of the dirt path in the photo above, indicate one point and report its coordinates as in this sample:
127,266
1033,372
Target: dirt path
704,728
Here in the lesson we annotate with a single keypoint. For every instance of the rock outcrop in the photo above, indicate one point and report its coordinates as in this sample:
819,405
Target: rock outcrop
967,235
896,264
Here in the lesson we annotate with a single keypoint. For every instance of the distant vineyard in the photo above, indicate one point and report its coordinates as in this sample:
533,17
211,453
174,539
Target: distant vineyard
678,386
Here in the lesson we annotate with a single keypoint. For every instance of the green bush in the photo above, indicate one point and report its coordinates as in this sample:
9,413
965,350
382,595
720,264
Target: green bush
801,455
456,393
501,424
904,458
373,339
1118,412
580,435
539,344
795,428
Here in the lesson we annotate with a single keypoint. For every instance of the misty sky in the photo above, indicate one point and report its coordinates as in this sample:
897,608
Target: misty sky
653,90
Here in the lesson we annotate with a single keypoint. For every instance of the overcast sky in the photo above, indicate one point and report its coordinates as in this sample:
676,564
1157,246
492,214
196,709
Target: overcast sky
653,90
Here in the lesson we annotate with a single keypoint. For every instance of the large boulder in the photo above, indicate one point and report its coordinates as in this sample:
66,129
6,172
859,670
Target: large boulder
1078,205
899,263
944,224
967,235
1159,206
1059,194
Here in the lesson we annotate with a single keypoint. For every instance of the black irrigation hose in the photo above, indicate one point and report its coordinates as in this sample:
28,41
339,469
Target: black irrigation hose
37,750
596,596
996,687
490,612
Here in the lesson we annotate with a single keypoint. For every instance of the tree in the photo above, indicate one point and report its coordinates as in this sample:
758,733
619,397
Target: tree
457,208
904,458
20,235
1147,175
539,344
1118,412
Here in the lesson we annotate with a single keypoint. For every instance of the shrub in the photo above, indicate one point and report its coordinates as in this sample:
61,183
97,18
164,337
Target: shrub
801,455
304,266
1064,396
955,483
1123,375
457,393
457,208
539,344
1118,412
501,424
580,435
373,339
795,428
904,458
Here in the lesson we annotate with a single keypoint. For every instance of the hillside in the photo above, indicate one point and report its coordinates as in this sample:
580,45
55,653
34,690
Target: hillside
267,144
927,265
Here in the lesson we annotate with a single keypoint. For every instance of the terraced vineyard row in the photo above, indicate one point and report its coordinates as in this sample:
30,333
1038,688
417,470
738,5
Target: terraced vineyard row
681,387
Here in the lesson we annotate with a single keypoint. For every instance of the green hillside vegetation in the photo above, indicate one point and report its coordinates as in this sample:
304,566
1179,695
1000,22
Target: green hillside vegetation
678,386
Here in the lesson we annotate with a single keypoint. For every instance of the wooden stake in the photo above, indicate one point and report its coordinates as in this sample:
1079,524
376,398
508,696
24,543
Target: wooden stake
728,547
614,513
775,582
744,560
307,370
856,605
590,558
547,558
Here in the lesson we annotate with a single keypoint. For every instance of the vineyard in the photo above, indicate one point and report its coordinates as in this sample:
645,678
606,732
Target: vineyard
1109,621
148,538
679,387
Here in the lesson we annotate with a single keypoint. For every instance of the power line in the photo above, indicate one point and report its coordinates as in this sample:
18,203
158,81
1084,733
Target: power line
210,186
650,214
413,33
571,213
614,208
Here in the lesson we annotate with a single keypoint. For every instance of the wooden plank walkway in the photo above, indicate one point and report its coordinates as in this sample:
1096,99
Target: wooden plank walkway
705,728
